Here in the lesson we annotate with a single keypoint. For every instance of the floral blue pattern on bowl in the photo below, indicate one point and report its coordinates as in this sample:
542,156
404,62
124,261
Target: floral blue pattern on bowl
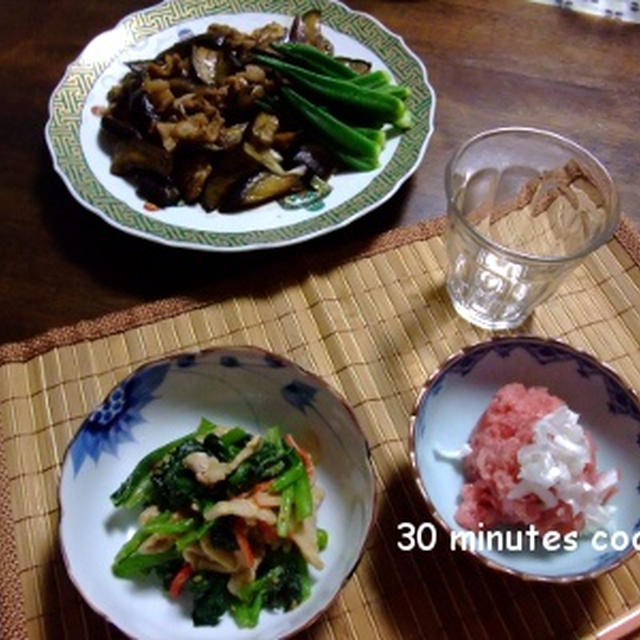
233,386
111,423
453,400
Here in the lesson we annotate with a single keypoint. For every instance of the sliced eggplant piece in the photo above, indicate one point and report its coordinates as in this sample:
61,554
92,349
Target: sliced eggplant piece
263,129
159,93
215,189
119,96
266,35
134,155
142,113
283,141
319,161
234,61
268,158
296,31
220,34
181,86
258,188
308,28
118,127
157,189
313,26
209,39
228,167
230,137
191,173
139,66
359,66
205,64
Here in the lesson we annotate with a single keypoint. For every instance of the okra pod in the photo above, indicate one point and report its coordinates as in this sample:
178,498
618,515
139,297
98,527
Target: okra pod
314,59
335,131
399,91
373,79
377,135
340,92
359,163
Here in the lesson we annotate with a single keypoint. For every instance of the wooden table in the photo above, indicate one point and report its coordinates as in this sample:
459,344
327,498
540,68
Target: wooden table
492,63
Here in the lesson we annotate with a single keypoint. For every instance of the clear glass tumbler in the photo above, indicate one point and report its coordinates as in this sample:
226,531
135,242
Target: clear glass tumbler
525,207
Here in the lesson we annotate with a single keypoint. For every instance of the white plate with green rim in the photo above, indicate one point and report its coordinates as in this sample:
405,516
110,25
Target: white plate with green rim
73,126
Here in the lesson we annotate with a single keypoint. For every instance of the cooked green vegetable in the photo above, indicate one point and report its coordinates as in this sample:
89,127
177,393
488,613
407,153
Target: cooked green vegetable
359,163
377,135
302,498
406,121
141,563
175,486
194,535
246,614
227,446
323,539
284,513
373,79
343,93
211,598
399,91
172,528
314,59
140,536
283,581
289,476
137,487
236,436
335,131
266,463
221,534
128,560
179,544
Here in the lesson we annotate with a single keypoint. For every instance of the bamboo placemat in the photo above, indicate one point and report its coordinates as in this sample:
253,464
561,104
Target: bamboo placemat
374,324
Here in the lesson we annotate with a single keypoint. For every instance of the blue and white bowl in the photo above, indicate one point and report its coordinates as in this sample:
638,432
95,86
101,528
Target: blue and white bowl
235,386
451,403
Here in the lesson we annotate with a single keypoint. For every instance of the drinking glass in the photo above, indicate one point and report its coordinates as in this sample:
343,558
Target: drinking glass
525,207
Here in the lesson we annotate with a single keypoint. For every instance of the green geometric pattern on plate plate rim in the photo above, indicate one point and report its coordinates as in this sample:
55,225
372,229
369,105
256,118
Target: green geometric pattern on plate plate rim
67,102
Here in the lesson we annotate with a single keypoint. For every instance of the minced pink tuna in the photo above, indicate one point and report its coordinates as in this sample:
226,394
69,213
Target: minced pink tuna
492,467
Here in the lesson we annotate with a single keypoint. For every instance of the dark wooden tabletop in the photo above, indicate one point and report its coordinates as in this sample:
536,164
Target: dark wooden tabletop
492,63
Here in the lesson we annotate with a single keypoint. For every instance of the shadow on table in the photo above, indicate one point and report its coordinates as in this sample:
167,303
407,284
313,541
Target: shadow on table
449,593
66,615
151,271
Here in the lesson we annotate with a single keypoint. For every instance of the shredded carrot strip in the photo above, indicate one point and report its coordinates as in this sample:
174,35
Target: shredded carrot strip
268,532
305,455
261,486
239,530
179,580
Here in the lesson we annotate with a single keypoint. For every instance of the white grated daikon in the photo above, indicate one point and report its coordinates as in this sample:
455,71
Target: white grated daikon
551,468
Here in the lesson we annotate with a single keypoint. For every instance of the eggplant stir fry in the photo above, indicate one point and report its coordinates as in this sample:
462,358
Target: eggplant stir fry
233,120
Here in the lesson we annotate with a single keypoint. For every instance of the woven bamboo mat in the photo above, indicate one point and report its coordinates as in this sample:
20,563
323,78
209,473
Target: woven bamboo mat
375,326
